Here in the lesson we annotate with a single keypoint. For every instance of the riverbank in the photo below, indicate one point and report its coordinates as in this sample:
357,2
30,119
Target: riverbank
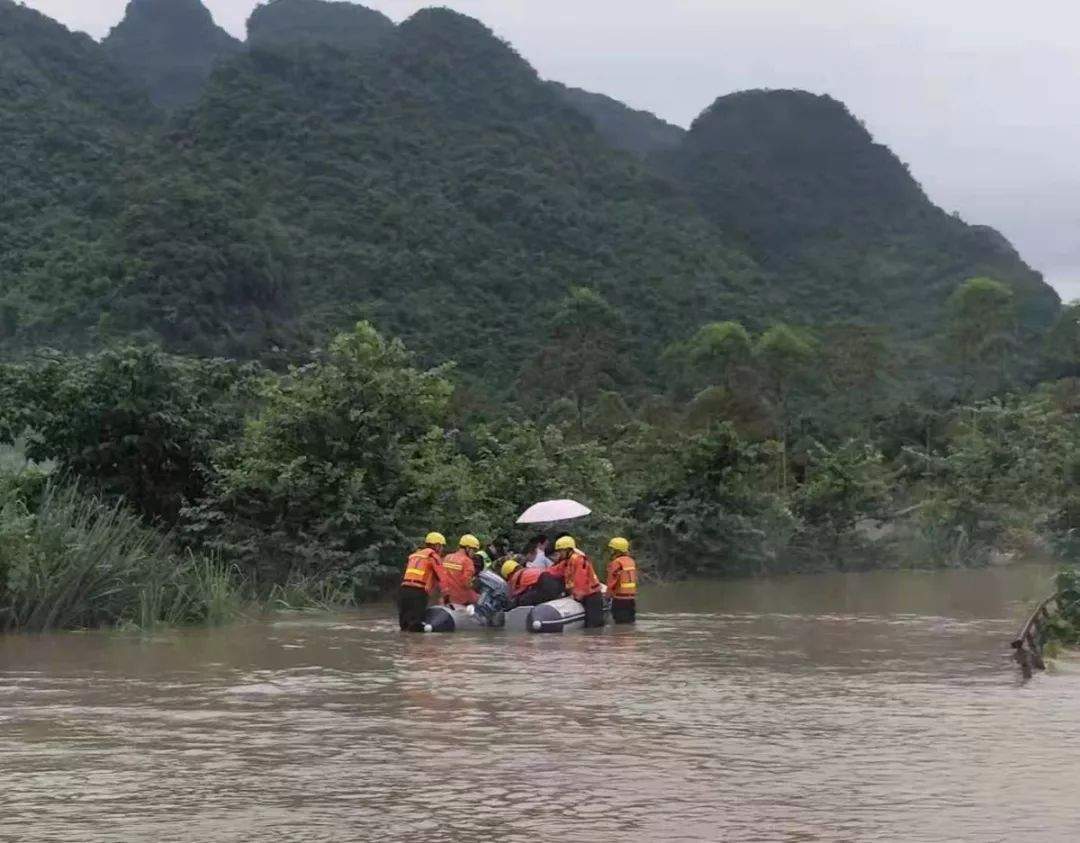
72,560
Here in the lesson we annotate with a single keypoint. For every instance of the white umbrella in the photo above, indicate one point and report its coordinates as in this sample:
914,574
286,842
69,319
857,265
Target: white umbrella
547,511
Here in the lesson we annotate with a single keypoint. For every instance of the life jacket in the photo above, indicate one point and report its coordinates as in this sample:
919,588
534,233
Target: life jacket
421,571
523,579
458,571
579,575
622,578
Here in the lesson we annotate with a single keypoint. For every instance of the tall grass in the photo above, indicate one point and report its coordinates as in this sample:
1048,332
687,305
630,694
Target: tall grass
69,559
191,590
311,593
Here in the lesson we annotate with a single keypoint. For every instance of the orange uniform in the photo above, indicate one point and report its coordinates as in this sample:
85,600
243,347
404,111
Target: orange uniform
522,580
422,570
458,572
622,578
578,573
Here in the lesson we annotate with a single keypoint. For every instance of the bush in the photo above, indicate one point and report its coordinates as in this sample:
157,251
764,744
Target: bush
131,422
323,480
715,514
72,560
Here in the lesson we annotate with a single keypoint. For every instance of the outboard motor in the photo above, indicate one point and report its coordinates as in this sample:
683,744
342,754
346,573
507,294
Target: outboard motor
494,596
489,611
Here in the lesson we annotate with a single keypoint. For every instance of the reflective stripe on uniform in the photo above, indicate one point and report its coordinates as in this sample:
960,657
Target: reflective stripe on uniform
419,572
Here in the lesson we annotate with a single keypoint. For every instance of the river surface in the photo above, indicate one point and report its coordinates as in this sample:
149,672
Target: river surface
875,706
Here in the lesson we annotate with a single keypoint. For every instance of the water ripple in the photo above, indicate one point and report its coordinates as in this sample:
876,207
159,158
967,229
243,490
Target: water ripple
841,718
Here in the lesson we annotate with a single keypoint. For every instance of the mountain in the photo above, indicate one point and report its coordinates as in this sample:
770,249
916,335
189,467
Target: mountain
170,47
438,187
343,25
69,120
814,198
639,132
428,179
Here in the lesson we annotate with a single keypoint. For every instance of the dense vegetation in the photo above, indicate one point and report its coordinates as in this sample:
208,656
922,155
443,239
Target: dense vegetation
423,175
754,347
815,199
340,24
317,478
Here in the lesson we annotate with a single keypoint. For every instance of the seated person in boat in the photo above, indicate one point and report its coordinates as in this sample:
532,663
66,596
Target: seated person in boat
498,551
531,586
535,554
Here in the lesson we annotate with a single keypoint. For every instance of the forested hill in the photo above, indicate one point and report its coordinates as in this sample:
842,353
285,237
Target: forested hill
425,177
340,24
623,127
170,47
68,121
443,189
814,198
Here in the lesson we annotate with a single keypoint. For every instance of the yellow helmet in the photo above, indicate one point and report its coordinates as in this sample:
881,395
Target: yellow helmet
566,543
470,541
435,538
619,545
508,567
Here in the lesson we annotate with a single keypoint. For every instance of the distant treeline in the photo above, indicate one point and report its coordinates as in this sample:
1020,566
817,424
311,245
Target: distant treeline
786,451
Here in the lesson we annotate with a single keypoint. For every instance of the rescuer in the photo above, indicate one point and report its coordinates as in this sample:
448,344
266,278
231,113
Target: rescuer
530,586
578,573
622,581
422,574
459,570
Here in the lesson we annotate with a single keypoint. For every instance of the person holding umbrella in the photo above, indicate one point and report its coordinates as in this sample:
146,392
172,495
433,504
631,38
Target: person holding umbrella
536,553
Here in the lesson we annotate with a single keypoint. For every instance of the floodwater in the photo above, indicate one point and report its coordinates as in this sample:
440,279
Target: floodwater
875,706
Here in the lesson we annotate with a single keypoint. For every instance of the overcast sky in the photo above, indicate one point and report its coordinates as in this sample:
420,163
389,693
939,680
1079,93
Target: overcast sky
980,97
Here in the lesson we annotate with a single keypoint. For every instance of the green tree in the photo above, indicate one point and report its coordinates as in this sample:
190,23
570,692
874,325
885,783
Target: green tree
708,512
785,358
1061,346
719,350
520,464
326,478
132,421
858,368
982,334
585,355
842,486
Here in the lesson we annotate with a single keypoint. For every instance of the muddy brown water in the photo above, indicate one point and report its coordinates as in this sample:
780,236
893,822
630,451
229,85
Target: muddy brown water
839,707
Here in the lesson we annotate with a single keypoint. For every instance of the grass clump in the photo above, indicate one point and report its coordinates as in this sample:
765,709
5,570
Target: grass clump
71,560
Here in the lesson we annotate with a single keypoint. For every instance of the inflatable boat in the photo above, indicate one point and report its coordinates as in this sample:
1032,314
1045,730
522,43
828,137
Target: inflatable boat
492,611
